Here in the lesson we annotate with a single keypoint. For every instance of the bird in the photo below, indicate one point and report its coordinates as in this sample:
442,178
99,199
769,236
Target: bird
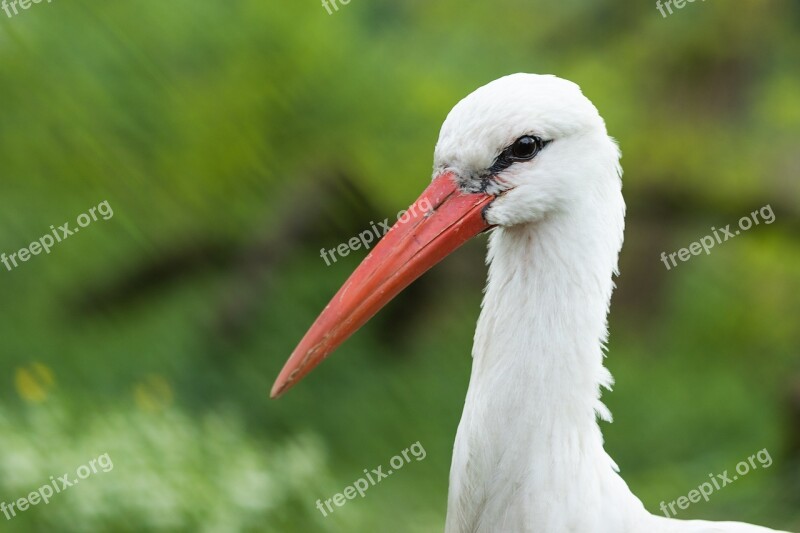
528,159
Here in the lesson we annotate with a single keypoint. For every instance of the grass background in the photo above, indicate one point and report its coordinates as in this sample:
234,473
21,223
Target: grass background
234,140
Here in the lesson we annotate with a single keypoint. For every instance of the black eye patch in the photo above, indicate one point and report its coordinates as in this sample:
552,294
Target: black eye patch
523,149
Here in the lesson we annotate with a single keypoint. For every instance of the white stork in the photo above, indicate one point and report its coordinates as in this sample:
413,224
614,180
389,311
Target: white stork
528,157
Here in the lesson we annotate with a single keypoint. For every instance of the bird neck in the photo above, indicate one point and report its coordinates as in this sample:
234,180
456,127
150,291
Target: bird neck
543,324
529,430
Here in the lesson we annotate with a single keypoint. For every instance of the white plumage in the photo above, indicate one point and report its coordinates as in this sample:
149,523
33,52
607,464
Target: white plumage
528,455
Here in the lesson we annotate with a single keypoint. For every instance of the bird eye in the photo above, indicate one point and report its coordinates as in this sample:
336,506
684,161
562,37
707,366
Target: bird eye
525,147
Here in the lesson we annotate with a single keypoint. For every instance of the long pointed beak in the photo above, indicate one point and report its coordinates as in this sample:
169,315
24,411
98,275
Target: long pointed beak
440,221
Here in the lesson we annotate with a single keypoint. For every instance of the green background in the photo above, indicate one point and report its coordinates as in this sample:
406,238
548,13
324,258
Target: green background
235,139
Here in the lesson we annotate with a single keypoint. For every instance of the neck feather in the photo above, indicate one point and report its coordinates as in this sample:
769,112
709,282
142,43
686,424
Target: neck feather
543,320
529,427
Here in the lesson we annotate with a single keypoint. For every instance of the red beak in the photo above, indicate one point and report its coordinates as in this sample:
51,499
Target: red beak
440,221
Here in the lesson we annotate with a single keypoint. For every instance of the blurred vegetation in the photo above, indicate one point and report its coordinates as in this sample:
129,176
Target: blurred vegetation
234,140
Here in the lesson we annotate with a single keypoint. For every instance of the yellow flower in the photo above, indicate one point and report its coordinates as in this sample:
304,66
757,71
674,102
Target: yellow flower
33,382
153,394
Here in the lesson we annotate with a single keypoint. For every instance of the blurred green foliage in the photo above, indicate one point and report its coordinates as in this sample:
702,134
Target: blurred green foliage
154,336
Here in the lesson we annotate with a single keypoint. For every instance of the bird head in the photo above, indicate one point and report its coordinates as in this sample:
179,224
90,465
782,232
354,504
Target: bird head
535,142
513,152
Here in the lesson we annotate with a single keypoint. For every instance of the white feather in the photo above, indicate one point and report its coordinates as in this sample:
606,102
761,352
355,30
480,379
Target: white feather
529,454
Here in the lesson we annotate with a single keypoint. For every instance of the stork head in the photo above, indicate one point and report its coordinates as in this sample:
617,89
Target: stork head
533,141
510,153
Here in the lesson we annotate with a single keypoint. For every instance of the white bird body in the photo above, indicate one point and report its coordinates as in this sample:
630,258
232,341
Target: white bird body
528,156
528,455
